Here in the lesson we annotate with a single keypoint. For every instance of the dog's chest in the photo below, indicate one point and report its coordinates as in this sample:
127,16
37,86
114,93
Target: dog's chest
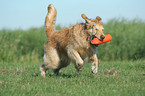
87,52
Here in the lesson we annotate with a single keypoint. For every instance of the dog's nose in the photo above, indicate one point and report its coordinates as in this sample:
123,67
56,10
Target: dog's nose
102,37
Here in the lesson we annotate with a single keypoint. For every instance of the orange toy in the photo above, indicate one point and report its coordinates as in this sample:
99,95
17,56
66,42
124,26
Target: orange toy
107,38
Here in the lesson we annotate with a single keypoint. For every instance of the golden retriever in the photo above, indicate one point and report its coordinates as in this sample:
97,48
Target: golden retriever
70,44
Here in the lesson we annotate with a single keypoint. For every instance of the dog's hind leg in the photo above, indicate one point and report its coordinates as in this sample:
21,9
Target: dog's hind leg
51,60
63,63
95,62
56,71
74,55
43,70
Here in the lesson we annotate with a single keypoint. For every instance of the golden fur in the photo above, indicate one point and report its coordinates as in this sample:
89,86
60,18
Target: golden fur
70,44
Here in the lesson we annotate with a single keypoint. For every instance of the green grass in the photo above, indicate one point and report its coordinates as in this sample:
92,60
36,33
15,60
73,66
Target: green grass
115,78
121,73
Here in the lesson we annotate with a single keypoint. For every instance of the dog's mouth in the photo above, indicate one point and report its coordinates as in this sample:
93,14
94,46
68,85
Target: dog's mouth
93,36
102,37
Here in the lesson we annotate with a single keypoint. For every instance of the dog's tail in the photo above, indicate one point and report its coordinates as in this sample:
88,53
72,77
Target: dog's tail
50,20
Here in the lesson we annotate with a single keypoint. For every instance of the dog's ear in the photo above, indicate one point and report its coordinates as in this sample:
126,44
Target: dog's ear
98,18
85,17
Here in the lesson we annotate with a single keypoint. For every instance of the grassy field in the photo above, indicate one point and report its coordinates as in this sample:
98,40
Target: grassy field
115,78
127,42
121,72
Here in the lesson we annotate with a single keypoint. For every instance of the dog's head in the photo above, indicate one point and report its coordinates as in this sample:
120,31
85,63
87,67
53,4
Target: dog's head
95,26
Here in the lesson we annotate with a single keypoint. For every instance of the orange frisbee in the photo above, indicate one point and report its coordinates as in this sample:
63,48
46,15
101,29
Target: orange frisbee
107,38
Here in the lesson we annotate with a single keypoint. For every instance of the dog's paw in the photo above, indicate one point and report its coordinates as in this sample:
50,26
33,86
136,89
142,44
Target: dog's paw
43,74
79,67
94,69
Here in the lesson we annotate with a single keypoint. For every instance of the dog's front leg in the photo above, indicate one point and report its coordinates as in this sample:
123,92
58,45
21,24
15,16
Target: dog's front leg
95,62
74,55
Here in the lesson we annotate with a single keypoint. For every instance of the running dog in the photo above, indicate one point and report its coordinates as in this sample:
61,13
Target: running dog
70,44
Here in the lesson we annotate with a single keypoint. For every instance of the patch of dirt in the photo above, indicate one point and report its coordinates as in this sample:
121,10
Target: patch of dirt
4,72
1,82
18,71
111,72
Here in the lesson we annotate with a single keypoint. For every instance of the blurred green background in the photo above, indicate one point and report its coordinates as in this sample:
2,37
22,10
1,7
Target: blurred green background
128,42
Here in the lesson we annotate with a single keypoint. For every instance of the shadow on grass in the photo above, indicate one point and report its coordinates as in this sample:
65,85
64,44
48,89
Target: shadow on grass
53,75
